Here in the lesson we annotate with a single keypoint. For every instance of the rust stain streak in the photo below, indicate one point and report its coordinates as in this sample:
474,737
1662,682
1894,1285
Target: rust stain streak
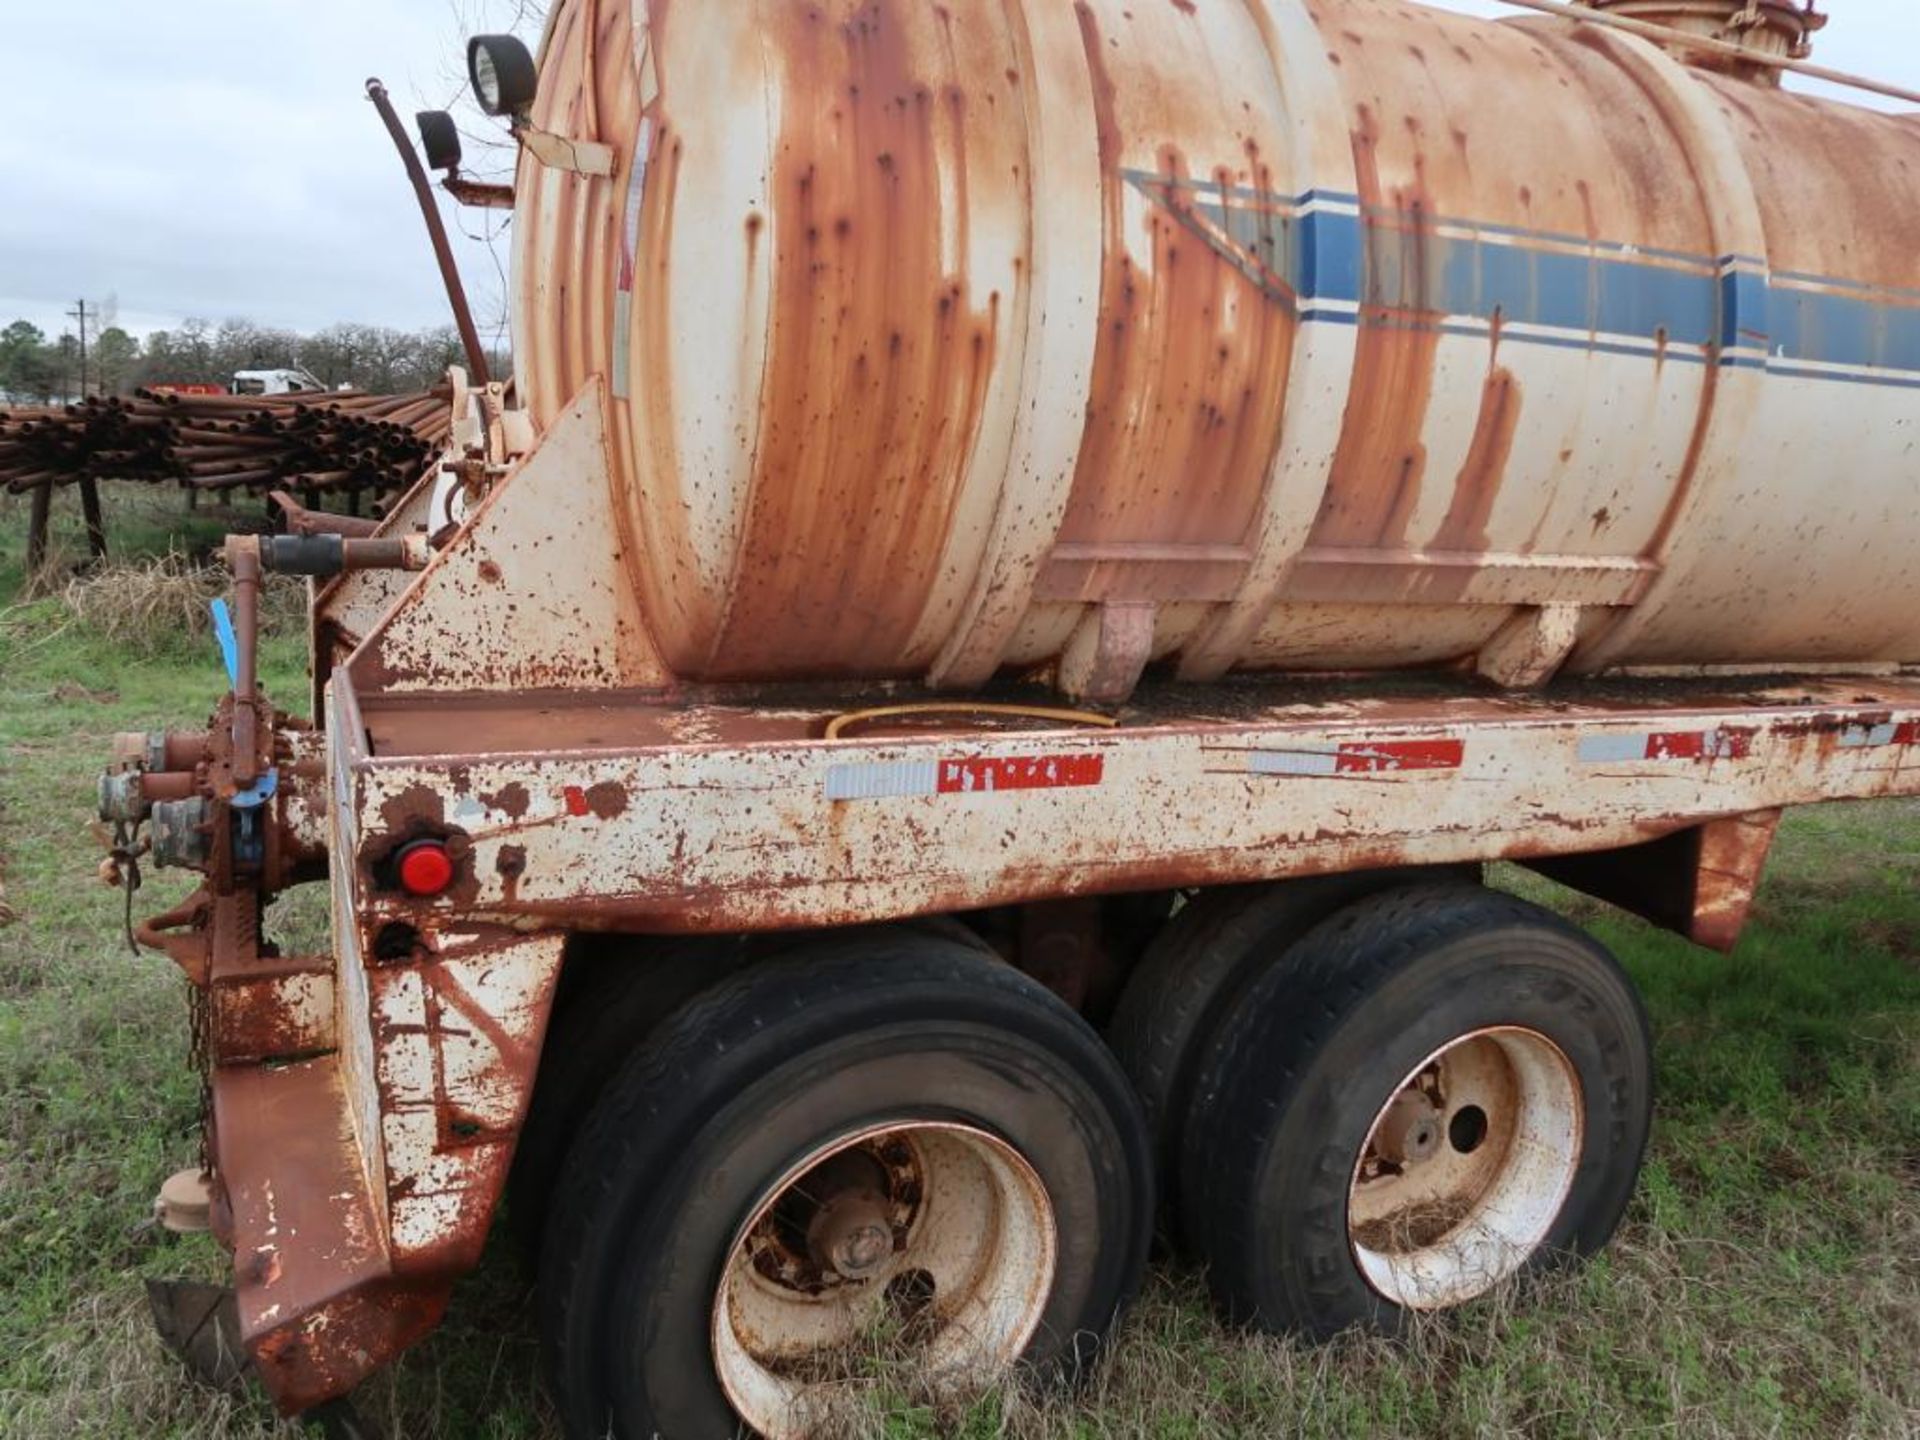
879,356
1481,474
1190,366
447,991
643,457
1381,459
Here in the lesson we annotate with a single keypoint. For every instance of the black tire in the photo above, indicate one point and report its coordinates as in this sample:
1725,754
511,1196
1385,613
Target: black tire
1193,974
758,1072
615,992
1283,1109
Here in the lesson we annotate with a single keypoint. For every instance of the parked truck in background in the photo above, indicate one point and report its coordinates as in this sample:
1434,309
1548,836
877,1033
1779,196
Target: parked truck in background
960,705
248,382
274,382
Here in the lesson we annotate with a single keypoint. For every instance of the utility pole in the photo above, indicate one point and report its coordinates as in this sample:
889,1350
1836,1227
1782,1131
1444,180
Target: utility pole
79,312
89,487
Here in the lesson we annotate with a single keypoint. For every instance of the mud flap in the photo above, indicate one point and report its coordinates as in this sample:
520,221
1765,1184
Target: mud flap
200,1325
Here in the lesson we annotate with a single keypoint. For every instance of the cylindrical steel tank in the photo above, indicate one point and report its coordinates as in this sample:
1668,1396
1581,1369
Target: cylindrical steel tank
947,338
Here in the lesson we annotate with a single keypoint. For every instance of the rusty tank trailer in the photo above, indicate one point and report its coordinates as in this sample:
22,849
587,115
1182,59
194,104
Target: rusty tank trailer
957,707
1358,336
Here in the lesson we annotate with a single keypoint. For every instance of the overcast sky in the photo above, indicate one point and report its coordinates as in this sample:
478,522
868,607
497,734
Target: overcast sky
218,157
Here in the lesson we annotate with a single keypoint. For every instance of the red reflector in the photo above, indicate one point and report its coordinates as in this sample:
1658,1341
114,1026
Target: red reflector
425,868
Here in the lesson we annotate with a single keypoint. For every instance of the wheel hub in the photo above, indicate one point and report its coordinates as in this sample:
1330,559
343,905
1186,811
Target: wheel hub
841,1222
926,1239
1465,1168
850,1235
1409,1131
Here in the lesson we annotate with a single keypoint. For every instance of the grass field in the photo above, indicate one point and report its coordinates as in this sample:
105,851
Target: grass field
1767,1281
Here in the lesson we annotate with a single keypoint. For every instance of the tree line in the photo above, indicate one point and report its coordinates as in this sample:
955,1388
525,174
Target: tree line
37,370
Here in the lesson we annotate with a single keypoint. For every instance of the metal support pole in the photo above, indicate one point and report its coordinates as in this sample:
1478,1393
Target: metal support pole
37,528
96,523
436,232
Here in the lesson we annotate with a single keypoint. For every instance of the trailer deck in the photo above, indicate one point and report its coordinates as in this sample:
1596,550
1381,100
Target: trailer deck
662,816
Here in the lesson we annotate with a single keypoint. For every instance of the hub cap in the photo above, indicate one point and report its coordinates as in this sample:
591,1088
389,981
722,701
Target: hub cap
1465,1168
928,1240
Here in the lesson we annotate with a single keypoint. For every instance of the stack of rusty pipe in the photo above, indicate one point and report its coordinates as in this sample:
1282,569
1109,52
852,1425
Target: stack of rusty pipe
332,441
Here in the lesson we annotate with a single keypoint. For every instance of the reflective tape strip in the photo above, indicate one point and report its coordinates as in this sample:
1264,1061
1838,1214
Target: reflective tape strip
962,775
1305,761
880,780
1724,744
1612,749
1869,737
630,212
628,258
1358,757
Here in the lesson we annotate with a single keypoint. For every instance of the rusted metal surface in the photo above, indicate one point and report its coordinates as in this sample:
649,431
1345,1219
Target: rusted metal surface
456,1027
241,755
178,933
479,194
270,1009
318,1309
1756,40
362,1123
1772,37
298,520
1324,338
533,597
299,838
346,607
362,1112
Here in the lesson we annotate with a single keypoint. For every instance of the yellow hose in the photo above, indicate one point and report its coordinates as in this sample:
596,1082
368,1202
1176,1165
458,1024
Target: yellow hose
841,723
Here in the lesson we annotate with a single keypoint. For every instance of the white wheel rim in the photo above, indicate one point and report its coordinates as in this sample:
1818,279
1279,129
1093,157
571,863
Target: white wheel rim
1465,1168
948,1241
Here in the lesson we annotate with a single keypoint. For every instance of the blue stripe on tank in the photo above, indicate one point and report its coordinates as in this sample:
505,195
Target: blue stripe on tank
1324,252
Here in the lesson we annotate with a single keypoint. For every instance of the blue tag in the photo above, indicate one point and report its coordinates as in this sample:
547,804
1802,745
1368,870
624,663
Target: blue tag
229,642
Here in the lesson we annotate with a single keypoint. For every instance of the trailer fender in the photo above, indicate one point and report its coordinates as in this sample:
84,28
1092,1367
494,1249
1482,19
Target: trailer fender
1698,882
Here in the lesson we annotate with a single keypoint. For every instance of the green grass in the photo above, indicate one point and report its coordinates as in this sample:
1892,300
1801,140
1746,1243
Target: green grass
1767,1281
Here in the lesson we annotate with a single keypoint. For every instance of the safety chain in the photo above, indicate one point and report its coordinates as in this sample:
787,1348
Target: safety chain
200,1060
125,858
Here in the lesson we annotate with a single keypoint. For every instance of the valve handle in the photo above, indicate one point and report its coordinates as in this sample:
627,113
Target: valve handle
229,642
